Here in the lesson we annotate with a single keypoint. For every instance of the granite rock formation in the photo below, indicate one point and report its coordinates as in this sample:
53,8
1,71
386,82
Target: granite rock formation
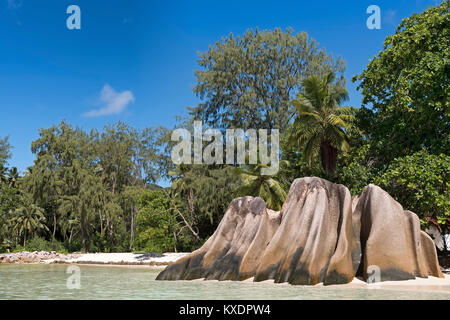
391,239
321,234
233,251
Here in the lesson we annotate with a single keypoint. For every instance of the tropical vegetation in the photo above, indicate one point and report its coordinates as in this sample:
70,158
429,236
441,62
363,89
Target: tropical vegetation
98,190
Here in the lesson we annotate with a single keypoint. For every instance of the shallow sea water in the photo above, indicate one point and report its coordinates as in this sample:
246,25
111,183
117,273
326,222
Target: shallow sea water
117,282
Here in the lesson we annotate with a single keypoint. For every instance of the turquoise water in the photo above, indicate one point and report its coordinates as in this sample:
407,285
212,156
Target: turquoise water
100,282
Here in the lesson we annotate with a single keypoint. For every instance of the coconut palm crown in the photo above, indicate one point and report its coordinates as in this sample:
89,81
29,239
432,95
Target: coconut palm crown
321,123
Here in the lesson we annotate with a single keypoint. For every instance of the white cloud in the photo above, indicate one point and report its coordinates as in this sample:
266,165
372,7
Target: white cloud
113,102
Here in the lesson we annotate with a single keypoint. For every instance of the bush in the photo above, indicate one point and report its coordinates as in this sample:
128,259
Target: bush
155,223
106,244
420,183
74,246
40,244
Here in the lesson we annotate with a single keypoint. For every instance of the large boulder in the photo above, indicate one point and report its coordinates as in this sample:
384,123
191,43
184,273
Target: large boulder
321,235
392,243
234,250
314,241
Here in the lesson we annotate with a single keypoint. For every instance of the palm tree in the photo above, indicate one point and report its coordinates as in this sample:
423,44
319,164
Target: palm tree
13,176
258,185
28,219
320,123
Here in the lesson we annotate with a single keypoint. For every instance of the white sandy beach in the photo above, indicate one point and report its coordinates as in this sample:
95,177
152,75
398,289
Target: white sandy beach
128,258
418,284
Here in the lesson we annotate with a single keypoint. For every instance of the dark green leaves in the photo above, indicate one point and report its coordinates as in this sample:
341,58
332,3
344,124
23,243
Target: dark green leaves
408,87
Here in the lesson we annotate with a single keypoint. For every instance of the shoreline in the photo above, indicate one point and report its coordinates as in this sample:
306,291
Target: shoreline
430,284
160,261
103,259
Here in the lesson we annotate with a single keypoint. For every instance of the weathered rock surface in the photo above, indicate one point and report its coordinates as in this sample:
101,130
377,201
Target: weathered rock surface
233,251
391,239
321,234
314,241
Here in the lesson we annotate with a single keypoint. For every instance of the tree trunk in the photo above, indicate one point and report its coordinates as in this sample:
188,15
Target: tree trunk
70,236
328,156
101,223
54,226
188,225
175,245
133,213
83,232
24,239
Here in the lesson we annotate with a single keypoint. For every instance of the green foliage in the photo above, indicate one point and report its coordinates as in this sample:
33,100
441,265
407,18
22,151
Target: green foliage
405,148
408,86
248,81
420,182
355,176
74,245
320,123
356,168
95,191
87,182
40,244
156,223
204,193
266,187
27,219
9,201
3,175
5,151
13,177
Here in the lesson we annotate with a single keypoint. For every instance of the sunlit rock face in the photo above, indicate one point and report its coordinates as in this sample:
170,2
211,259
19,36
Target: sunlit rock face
234,250
314,240
391,240
321,235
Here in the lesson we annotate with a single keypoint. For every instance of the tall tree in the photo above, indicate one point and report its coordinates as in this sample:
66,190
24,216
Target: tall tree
152,158
116,148
248,81
9,201
81,198
3,174
28,219
203,194
406,88
13,176
157,225
5,151
59,150
130,199
320,123
86,181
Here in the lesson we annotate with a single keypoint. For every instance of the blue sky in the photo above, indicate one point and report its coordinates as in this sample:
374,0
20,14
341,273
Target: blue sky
135,60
